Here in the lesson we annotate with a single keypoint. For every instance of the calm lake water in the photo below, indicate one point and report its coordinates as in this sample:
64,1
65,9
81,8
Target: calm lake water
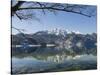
50,59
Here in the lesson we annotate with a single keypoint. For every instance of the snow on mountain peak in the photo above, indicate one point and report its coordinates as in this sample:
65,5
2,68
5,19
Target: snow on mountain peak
76,32
59,31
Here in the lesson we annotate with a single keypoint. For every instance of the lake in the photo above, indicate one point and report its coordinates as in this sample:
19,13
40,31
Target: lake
50,59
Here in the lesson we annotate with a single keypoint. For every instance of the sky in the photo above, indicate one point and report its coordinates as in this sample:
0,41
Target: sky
62,20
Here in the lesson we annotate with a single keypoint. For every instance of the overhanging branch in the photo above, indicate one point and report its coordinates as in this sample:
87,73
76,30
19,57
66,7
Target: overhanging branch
52,8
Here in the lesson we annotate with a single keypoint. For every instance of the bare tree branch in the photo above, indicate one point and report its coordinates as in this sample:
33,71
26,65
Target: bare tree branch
41,6
19,30
18,16
51,7
58,9
15,8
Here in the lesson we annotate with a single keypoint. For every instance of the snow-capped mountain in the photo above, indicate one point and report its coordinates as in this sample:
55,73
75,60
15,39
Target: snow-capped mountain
58,31
73,40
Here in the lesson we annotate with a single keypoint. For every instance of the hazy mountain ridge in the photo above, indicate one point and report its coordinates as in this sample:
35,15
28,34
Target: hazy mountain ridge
60,38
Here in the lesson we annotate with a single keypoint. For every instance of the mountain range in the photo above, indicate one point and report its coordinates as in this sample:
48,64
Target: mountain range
60,38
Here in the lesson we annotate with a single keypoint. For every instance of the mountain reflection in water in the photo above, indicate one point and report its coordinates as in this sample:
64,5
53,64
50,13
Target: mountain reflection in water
50,59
